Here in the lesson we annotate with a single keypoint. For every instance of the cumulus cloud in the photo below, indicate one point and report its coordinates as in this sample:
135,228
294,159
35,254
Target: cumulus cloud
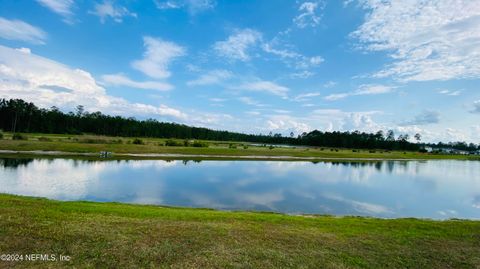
193,6
61,7
365,89
157,57
286,124
322,119
309,14
424,118
237,45
26,76
20,30
109,9
427,40
210,78
122,80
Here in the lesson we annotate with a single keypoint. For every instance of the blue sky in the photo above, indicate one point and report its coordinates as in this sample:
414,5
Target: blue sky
252,66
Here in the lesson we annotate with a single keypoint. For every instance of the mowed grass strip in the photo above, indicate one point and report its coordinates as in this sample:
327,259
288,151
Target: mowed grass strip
112,235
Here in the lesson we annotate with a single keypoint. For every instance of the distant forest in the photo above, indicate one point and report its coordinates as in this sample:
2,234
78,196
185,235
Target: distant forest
16,115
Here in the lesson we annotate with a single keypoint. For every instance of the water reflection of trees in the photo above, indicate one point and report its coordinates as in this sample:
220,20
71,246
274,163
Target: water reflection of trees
14,163
378,165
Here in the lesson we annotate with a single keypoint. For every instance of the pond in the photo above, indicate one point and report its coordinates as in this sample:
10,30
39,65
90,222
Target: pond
388,189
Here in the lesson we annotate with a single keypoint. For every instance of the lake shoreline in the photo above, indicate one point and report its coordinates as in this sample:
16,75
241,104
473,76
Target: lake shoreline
88,146
161,156
180,156
102,235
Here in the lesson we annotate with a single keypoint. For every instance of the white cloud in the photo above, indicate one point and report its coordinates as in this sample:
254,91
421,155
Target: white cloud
265,86
158,55
302,74
109,9
20,30
193,6
428,40
61,7
122,80
365,89
286,124
309,14
27,76
211,78
249,101
450,92
306,96
237,45
293,58
336,96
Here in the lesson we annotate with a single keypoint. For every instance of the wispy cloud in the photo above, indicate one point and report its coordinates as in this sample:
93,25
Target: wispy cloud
192,6
265,86
157,57
122,80
61,7
428,40
109,9
450,92
237,45
306,96
20,30
366,89
293,58
250,101
309,14
210,78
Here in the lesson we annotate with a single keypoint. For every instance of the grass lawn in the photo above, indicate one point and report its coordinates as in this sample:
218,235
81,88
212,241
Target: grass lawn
124,145
112,235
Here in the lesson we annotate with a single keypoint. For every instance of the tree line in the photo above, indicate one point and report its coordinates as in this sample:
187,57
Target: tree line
17,115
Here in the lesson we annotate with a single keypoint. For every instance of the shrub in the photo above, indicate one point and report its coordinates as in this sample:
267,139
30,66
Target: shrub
232,146
17,136
137,141
44,139
1,135
245,147
186,143
372,151
271,147
199,144
172,143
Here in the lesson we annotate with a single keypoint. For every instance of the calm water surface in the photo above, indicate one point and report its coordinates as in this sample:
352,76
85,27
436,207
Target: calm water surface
426,189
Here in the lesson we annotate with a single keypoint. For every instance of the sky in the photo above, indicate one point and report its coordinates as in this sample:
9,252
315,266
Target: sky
278,66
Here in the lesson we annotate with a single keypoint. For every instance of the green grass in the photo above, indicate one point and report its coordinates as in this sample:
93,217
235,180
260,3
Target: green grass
124,145
112,235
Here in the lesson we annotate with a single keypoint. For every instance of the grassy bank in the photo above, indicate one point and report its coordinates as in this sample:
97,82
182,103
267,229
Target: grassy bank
110,235
124,145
